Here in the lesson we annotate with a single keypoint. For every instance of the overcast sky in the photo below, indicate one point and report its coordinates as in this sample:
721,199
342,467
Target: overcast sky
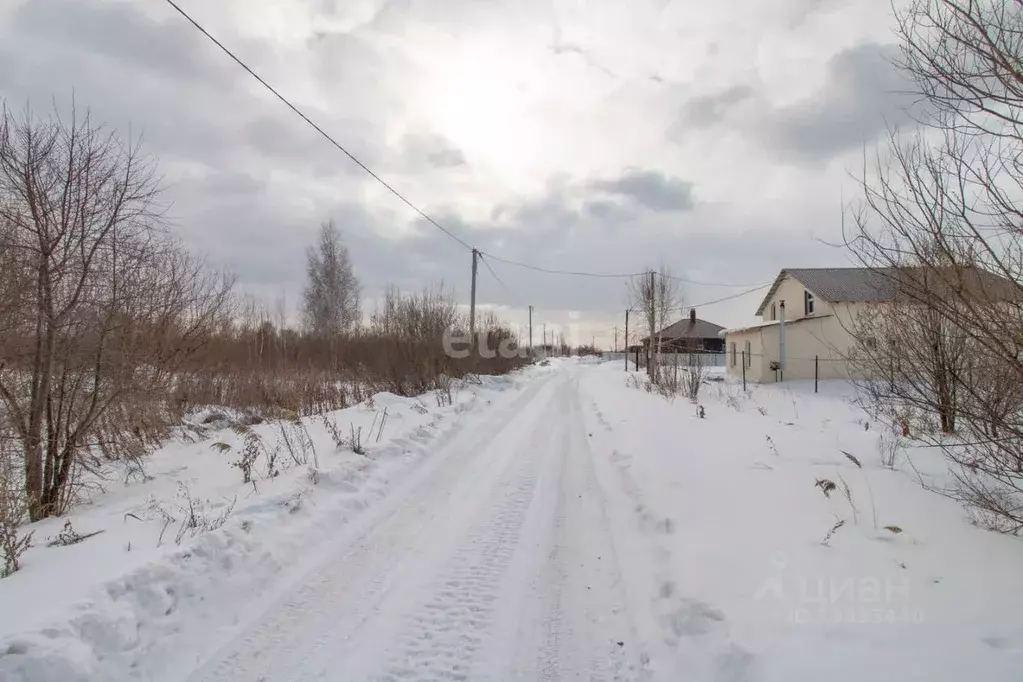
716,138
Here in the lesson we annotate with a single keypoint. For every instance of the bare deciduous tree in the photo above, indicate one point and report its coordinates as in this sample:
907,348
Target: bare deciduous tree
913,359
330,302
112,304
942,224
656,295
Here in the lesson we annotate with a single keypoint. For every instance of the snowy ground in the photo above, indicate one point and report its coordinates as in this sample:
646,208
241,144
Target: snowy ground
555,525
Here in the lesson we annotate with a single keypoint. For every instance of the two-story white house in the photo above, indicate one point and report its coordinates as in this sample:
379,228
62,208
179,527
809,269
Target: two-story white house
807,320
809,316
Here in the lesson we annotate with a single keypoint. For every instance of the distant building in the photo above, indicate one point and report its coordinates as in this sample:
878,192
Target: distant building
689,334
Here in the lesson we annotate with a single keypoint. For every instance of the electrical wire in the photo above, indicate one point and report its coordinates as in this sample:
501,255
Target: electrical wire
500,281
550,271
623,275
728,298
396,193
713,284
317,128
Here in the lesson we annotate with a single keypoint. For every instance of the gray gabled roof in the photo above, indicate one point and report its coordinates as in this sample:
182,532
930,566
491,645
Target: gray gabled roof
687,329
869,285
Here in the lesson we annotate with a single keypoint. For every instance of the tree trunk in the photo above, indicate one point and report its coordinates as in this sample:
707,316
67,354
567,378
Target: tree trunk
42,371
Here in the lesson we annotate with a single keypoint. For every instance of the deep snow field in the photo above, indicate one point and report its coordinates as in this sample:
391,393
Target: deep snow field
560,523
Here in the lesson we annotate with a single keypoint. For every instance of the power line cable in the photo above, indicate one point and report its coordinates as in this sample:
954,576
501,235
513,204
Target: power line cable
317,128
623,275
500,281
551,271
385,184
728,298
711,284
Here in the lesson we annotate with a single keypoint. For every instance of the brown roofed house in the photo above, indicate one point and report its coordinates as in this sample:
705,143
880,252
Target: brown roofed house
690,334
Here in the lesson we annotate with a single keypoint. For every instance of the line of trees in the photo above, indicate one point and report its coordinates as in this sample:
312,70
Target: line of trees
111,331
942,227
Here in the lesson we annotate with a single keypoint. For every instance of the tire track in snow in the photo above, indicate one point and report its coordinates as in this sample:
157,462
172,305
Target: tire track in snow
612,649
443,636
356,571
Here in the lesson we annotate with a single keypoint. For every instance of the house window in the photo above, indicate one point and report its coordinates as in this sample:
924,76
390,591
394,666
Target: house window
807,303
748,354
774,312
733,353
870,342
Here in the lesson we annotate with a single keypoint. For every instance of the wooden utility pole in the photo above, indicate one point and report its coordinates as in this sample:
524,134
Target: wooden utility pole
531,332
651,353
472,299
626,340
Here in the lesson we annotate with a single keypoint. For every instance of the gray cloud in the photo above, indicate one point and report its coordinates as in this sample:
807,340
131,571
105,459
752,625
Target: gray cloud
119,33
865,92
426,152
801,10
708,110
446,158
282,138
249,182
651,189
553,231
606,210
561,47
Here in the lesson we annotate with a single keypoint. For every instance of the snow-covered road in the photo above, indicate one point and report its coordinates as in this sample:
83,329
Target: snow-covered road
496,561
563,523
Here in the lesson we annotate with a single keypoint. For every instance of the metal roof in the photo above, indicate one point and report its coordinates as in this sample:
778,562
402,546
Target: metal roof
867,285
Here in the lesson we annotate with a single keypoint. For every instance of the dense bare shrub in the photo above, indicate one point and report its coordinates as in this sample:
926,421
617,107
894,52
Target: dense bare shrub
695,373
256,365
110,332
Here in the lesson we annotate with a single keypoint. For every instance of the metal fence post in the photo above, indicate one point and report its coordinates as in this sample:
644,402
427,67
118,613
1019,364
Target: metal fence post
816,371
744,369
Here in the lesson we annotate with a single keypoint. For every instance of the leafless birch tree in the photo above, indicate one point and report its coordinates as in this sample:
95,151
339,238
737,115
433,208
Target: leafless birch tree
330,302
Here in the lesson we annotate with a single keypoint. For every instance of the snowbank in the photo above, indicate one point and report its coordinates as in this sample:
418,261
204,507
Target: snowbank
758,575
124,603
